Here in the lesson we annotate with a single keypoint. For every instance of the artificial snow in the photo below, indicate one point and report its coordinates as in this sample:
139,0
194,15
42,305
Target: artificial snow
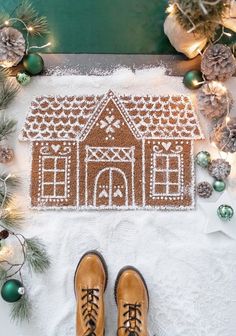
190,275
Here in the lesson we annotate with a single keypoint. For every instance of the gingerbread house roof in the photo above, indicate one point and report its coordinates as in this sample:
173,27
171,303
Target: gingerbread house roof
66,117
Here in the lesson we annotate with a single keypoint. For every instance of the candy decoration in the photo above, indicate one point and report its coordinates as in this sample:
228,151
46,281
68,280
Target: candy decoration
33,63
12,290
193,79
203,159
23,78
219,186
225,212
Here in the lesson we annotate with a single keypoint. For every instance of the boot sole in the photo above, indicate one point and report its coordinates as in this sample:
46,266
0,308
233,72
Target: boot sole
133,269
99,255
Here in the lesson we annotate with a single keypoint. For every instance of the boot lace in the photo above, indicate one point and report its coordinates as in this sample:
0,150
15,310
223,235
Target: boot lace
89,309
132,322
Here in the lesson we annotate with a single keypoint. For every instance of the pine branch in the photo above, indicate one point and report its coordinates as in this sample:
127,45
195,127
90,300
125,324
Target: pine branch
4,73
39,25
31,18
3,275
8,91
7,127
11,217
7,199
12,181
3,17
205,24
36,255
21,310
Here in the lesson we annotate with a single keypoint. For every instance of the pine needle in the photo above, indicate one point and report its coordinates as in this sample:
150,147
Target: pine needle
7,199
3,17
4,73
11,217
7,127
8,91
39,25
31,18
21,310
36,255
12,181
3,275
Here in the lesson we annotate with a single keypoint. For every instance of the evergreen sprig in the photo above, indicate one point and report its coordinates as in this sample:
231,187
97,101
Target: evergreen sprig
8,91
7,127
12,181
31,18
3,17
3,275
4,73
36,255
206,24
21,310
11,217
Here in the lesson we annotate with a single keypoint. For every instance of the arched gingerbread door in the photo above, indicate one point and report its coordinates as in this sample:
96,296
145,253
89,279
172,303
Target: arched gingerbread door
111,188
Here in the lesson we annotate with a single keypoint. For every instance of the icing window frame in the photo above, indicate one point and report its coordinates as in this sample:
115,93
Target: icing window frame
166,175
54,177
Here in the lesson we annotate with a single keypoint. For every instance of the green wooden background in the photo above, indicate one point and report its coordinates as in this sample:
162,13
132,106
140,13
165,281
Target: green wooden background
104,26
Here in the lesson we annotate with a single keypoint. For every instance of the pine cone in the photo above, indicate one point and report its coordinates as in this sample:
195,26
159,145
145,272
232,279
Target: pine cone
6,154
219,169
224,136
12,47
204,190
218,63
213,100
4,234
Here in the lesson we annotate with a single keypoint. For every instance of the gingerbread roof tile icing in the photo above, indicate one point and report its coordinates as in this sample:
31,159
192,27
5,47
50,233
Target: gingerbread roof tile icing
150,116
112,152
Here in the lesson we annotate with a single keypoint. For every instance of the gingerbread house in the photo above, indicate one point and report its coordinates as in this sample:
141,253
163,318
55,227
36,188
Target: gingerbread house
112,151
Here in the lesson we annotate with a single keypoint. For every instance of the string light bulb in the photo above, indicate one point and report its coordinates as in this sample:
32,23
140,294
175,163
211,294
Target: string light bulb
7,23
170,8
30,28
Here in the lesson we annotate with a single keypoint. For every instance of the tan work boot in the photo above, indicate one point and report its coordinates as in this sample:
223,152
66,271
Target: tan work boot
132,300
90,285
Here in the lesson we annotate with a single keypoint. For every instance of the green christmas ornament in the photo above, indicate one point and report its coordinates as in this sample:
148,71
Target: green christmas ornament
203,159
12,290
225,212
23,78
33,63
193,79
219,186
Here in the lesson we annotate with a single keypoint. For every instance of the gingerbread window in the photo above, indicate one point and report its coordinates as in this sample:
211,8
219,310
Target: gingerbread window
166,174
54,177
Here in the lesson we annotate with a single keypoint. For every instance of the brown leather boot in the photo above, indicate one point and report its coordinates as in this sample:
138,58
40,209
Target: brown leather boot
132,300
90,285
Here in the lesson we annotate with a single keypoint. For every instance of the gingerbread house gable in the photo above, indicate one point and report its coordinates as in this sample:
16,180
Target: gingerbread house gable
112,152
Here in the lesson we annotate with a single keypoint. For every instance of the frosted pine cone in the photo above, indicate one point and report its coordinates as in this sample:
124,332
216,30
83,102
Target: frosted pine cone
12,47
224,136
219,169
214,100
6,154
204,190
218,63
